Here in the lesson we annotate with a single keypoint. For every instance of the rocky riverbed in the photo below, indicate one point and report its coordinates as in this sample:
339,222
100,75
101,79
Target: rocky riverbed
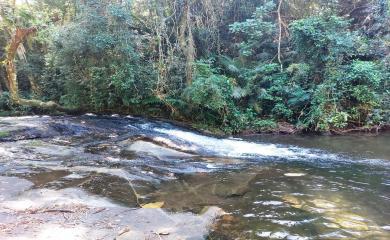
91,177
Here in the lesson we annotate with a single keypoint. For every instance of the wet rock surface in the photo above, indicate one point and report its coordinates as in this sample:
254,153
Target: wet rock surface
90,177
151,149
74,183
73,214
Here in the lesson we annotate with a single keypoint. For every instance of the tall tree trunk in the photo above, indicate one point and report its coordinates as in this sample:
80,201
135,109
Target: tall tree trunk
186,40
190,50
280,34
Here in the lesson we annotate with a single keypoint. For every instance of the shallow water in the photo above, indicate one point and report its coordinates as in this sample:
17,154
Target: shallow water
271,187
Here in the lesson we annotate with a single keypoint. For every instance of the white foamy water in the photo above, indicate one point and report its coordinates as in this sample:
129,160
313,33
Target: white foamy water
230,147
269,203
238,148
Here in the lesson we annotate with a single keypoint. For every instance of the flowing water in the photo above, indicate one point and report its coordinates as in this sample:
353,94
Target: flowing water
267,187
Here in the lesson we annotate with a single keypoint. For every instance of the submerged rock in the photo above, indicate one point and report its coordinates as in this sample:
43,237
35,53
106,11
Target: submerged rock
325,204
349,224
151,149
337,217
348,221
291,200
196,191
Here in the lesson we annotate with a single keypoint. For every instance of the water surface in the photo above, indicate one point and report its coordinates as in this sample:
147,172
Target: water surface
270,187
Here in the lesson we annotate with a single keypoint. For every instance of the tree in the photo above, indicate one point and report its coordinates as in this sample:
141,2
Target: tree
19,23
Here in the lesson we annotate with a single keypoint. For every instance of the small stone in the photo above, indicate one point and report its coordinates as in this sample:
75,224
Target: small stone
291,200
349,224
228,218
123,231
321,203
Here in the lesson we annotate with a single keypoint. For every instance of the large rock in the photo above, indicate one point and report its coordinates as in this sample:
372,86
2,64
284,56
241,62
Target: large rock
198,190
34,127
74,214
157,224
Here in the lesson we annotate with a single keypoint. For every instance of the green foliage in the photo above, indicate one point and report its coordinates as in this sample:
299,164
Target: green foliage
322,39
216,99
7,107
264,125
95,61
325,85
348,94
364,72
5,103
116,56
211,92
258,30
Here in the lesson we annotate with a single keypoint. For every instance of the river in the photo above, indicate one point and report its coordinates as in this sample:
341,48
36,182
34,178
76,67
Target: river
94,177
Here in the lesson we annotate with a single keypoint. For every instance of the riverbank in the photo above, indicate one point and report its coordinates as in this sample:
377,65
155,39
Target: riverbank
280,128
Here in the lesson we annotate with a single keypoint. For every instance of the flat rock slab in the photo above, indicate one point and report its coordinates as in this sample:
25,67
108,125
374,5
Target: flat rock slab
12,186
74,214
157,224
33,127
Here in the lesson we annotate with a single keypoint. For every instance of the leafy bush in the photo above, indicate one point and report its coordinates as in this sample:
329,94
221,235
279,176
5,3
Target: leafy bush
211,93
95,60
324,39
5,103
258,30
264,125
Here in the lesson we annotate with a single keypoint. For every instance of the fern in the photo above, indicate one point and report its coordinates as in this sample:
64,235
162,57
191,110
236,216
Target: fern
239,93
152,100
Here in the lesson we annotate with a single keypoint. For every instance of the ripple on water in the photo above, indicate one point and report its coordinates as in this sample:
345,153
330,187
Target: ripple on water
280,235
249,215
290,223
269,203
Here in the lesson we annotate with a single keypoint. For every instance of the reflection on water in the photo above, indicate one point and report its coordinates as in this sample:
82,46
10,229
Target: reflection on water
326,203
272,187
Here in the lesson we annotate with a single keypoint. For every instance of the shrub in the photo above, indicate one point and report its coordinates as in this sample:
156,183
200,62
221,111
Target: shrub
5,103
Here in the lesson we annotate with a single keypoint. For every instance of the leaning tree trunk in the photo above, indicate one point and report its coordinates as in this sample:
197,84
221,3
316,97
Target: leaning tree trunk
20,35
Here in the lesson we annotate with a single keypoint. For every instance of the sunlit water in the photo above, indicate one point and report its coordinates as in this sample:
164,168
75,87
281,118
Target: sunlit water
272,187
313,187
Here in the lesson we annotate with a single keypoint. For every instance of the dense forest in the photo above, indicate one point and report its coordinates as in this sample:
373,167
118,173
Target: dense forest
227,65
